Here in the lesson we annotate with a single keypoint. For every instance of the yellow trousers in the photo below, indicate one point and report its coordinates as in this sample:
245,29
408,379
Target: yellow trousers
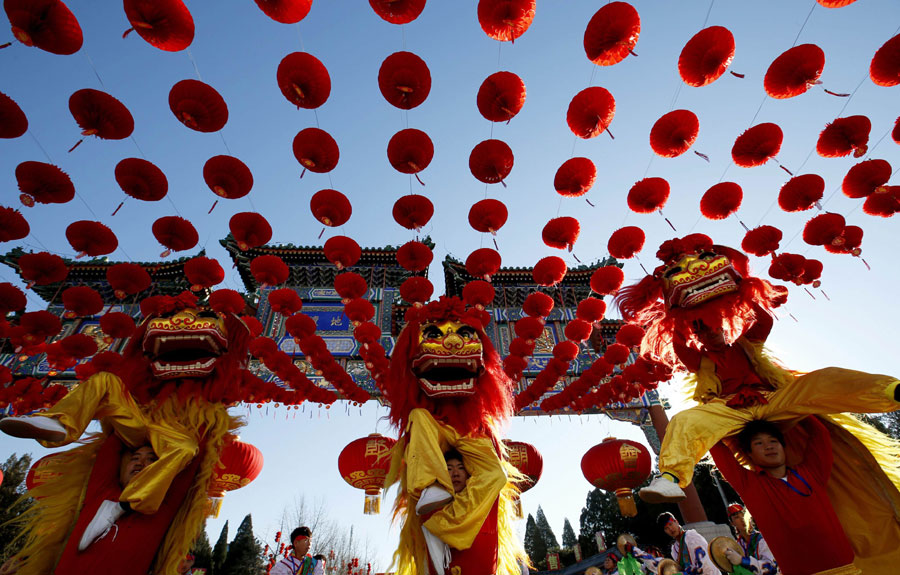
692,432
458,523
103,396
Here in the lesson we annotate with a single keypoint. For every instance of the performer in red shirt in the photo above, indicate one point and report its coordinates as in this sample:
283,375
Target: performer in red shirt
790,504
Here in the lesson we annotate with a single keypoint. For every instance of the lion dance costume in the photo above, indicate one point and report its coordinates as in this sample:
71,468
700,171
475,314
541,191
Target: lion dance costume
447,390
170,392
705,314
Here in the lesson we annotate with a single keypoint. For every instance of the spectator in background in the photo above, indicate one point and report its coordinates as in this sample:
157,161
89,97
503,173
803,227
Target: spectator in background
321,559
299,562
689,549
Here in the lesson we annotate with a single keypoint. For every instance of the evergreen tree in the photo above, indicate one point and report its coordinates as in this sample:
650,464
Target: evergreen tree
11,503
568,535
202,552
601,513
546,532
245,552
220,552
534,543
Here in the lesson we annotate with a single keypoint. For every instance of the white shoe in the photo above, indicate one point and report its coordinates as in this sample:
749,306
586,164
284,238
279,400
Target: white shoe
661,490
438,551
433,497
34,427
106,516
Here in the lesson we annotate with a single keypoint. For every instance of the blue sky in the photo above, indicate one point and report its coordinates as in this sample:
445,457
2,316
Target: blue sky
237,50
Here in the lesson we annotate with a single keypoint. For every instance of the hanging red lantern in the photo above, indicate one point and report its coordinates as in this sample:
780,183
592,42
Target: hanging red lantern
630,335
285,11
505,20
364,464
885,202
228,300
176,234
303,80
410,151
45,24
81,301
203,272
269,270
607,280
648,195
835,3
488,216
13,122
227,177
847,243
141,180
757,145
250,230
413,211
42,268
578,330
414,256
617,465
845,135
198,106
117,325
591,309
823,229
477,293
895,133
416,290
350,285
706,56
626,242
590,112
865,178
398,11
483,263
721,200
239,464
612,33
561,233
91,238
501,96
127,279
43,183
12,299
99,114
549,271
527,460
885,67
761,241
78,346
575,177
330,207
13,225
342,251
39,325
801,192
164,24
795,71
674,133
491,161
537,304
316,150
404,80
285,301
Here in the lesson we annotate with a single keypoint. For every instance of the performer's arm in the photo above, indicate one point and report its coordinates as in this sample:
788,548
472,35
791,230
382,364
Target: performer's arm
762,325
687,355
818,456
767,564
700,560
733,471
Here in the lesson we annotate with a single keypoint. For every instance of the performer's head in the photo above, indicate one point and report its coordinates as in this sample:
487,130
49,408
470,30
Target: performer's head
609,563
457,469
300,539
737,516
712,338
134,461
320,559
763,443
670,526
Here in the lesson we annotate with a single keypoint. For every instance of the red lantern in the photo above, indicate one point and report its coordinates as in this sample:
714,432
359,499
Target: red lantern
117,325
285,301
227,177
13,122
410,151
591,111
45,24
757,145
99,114
285,11
483,263
706,56
250,230
176,234
847,243
801,192
648,195
477,293
404,80
398,11
350,285
625,242
239,464
575,177
141,180
304,80
537,304
591,309
13,225
39,325
630,335
612,33
761,241
269,270
416,290
501,96
721,200
81,301
413,211
364,464
823,229
198,106
330,207
885,202
549,271
674,133
505,20
843,136
414,256
491,161
43,183
835,3
617,465
578,330
42,268
528,461
12,299
865,178
607,280
885,67
316,150
165,24
488,216
203,272
78,346
342,251
561,233
228,300
795,71
127,279
91,238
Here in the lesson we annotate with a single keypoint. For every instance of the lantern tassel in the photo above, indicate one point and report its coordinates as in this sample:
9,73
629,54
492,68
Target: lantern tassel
627,506
704,156
517,506
78,143
373,503
127,32
213,207
118,208
809,292
418,179
322,232
780,165
7,45
610,134
736,75
215,506
838,94
589,203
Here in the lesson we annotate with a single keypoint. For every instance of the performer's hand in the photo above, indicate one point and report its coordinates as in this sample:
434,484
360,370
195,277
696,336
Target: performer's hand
733,556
